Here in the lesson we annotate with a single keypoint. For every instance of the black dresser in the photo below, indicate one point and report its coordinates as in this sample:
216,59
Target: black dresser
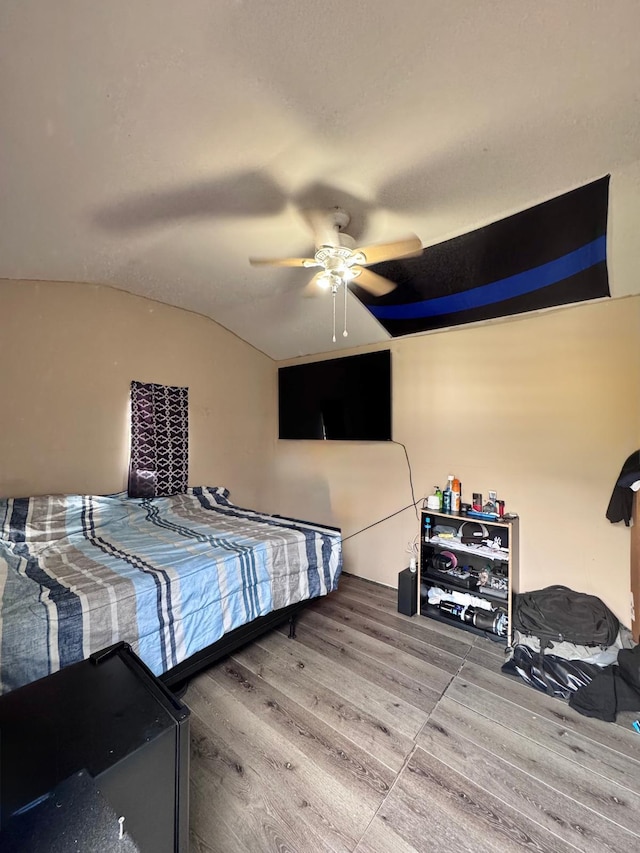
93,756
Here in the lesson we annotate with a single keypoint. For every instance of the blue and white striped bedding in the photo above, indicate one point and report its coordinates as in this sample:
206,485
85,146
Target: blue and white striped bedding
168,575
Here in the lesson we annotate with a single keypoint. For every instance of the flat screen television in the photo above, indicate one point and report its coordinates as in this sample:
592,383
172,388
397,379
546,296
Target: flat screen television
341,398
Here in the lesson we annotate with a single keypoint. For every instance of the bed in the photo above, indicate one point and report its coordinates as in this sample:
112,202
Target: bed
183,579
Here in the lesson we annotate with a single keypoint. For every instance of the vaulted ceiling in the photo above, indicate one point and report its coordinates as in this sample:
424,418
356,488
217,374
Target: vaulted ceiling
155,145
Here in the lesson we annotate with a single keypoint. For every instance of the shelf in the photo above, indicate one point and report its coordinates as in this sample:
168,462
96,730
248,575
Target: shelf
437,578
499,521
489,596
480,550
474,556
432,612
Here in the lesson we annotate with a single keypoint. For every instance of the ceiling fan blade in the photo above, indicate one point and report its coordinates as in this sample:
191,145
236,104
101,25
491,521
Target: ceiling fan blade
375,254
283,262
370,281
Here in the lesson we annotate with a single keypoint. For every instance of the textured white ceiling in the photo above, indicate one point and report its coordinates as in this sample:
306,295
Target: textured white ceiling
155,145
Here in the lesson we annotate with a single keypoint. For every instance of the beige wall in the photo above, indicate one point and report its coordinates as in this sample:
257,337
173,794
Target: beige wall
67,355
544,409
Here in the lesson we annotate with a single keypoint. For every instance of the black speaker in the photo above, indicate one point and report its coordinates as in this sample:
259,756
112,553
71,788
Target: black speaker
408,592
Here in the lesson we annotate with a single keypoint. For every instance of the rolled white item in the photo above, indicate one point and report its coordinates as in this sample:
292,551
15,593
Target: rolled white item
435,594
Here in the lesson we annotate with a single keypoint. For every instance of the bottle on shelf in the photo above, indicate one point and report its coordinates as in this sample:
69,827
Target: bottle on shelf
447,495
438,493
427,529
456,496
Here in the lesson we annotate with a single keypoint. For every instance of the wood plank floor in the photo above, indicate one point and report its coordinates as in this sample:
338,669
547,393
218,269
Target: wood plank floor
373,732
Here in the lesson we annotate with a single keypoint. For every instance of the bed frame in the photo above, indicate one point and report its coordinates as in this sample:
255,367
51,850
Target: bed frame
177,679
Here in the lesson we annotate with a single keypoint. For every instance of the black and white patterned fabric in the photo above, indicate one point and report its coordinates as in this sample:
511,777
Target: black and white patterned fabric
159,464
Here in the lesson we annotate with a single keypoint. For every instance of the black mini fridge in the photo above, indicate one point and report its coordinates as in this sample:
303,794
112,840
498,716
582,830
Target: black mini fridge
105,741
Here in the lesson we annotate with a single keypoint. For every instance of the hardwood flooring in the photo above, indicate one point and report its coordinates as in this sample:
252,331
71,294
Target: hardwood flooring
373,732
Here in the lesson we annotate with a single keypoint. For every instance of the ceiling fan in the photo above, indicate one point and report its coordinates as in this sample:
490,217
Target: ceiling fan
338,258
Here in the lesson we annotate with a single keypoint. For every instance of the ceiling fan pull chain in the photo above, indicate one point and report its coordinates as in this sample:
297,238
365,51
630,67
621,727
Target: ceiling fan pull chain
345,334
333,296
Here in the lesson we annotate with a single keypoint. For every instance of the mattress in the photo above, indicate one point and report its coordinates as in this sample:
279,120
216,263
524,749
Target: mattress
168,575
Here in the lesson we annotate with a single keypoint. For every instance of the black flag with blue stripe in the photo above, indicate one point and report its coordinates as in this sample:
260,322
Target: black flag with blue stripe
552,254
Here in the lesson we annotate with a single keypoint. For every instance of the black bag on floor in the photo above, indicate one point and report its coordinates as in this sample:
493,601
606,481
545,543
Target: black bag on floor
559,614
549,673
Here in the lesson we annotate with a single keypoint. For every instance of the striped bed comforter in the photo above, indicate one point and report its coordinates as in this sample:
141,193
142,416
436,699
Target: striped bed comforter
168,575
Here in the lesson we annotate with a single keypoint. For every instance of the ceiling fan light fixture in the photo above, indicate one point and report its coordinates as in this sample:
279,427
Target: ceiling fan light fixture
324,281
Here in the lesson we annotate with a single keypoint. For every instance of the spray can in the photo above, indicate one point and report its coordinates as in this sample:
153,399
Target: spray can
456,490
447,495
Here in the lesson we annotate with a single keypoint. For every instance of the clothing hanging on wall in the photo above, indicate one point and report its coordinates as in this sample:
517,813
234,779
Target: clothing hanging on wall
621,503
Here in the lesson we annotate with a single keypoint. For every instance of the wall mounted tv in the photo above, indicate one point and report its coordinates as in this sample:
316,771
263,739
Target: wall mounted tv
341,398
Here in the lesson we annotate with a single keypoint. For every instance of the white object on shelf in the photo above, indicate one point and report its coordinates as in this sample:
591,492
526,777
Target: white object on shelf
435,594
481,550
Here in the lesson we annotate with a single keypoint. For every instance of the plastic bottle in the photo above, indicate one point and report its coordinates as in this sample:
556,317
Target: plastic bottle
438,493
455,495
447,495
427,529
